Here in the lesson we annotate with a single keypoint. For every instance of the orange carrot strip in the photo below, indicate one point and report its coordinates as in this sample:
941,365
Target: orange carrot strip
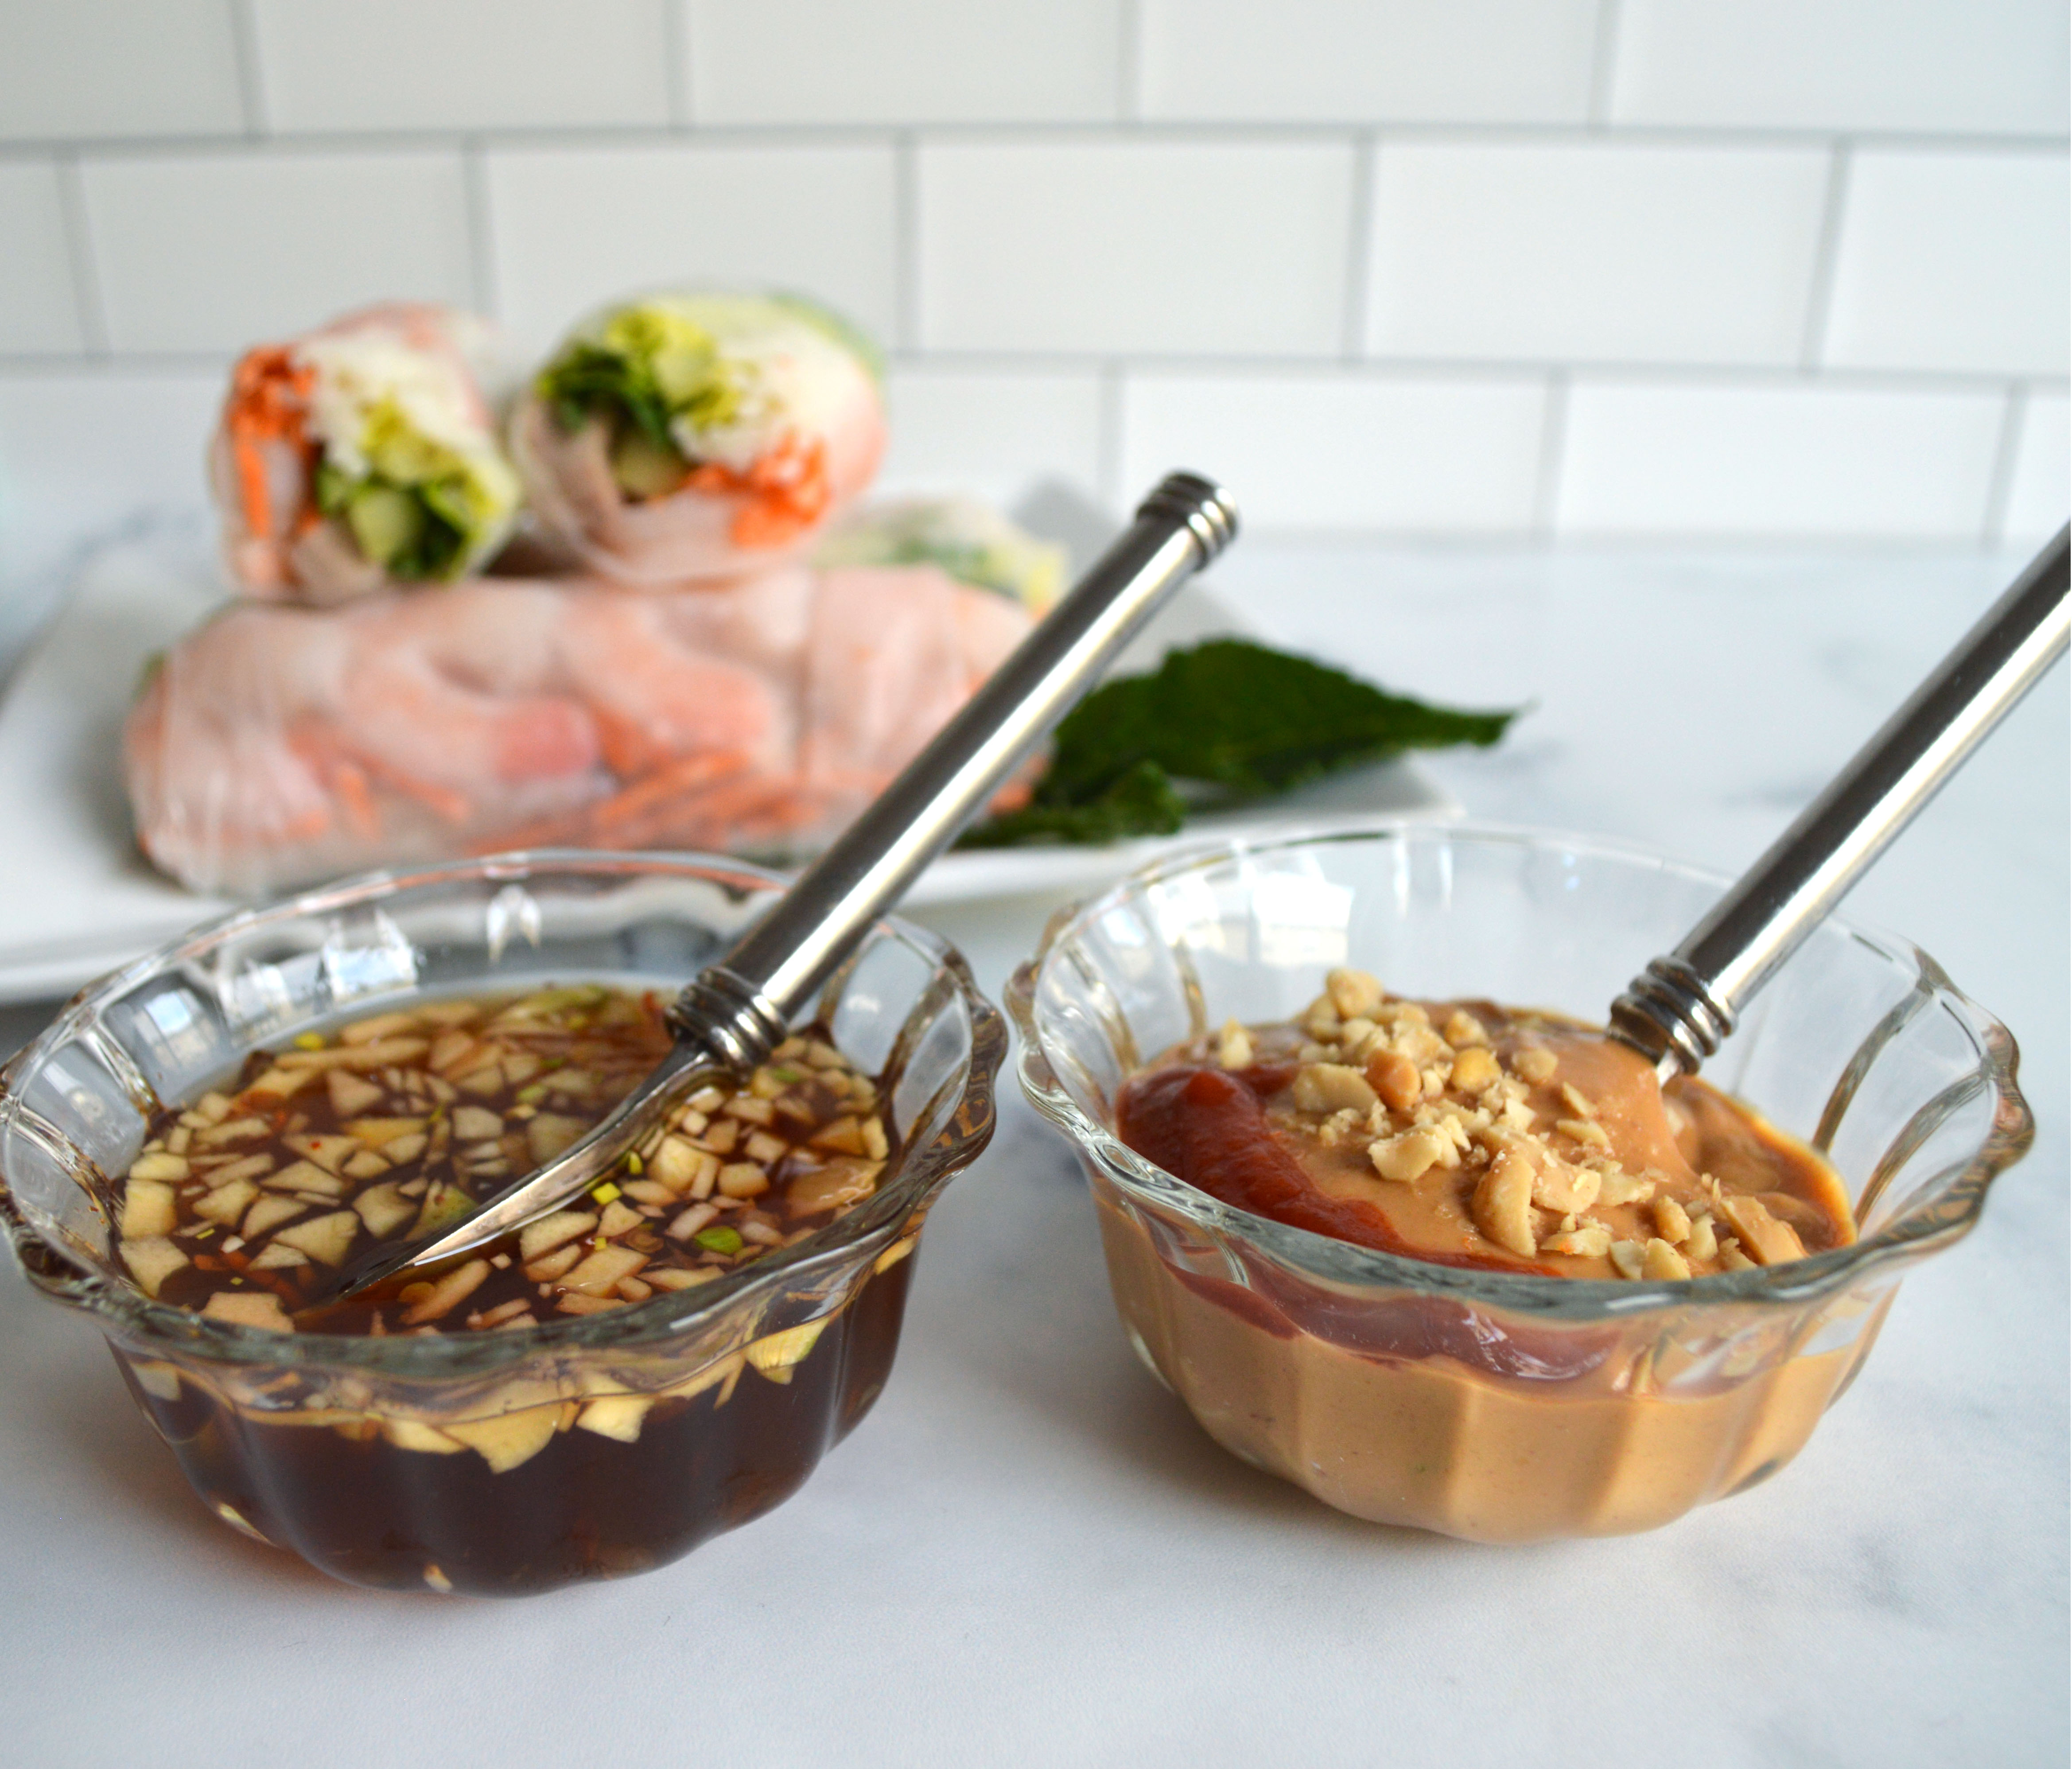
441,801
328,751
601,823
361,814
269,395
252,484
786,490
628,750
689,774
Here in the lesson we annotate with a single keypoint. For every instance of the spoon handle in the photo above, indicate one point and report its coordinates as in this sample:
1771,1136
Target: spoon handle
1678,1010
740,1007
735,1012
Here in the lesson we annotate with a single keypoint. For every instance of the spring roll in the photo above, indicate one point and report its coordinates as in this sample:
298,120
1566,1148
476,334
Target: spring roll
693,438
274,746
362,457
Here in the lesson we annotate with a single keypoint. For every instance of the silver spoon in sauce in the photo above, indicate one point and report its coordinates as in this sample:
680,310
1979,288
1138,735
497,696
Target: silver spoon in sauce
735,1012
1679,1010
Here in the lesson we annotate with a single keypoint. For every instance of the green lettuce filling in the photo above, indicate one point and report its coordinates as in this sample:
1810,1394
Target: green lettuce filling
648,371
408,530
420,507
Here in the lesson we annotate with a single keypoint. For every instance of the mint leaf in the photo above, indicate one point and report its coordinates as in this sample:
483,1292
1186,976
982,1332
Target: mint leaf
1242,719
1141,801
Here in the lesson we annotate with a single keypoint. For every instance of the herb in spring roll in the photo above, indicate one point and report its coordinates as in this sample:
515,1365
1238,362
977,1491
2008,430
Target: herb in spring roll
972,541
360,457
699,436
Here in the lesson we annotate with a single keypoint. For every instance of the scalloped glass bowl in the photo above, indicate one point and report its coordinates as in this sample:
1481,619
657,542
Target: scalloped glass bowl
495,1463
1481,1405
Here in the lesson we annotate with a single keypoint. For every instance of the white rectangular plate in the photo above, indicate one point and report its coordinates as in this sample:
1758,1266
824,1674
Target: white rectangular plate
76,899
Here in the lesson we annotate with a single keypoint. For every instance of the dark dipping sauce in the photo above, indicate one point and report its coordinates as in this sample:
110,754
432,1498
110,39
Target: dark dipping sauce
584,1506
572,1463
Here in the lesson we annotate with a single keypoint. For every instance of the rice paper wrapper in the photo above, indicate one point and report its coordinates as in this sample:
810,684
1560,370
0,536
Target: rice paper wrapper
277,746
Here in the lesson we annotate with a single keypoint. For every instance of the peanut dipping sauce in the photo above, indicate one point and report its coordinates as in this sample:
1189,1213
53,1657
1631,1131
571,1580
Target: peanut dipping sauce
1464,1134
1471,1134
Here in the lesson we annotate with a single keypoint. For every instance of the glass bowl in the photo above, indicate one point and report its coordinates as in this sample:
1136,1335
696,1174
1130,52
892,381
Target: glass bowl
505,1463
1496,1406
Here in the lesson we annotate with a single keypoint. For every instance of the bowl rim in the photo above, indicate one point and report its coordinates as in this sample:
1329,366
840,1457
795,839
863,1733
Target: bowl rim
667,1316
1343,1264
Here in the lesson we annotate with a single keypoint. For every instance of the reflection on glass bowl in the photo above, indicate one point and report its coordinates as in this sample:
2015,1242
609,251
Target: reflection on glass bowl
1485,1405
505,1462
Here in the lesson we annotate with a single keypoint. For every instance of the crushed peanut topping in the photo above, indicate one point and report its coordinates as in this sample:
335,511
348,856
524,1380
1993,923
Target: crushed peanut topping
1511,1137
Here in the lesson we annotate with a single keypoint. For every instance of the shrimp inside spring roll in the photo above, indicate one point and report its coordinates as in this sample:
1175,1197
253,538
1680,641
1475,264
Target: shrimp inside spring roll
695,436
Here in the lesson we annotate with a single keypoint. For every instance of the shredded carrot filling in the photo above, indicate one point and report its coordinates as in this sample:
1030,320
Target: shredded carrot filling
352,778
269,401
787,491
356,797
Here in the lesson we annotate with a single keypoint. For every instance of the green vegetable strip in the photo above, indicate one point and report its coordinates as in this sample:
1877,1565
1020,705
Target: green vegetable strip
437,549
1242,719
589,378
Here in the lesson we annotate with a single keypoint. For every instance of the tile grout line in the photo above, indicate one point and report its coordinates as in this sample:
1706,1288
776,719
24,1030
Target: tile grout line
1129,62
1239,365
906,241
481,230
1553,448
1325,131
89,304
251,86
1107,457
676,71
1604,62
1827,252
1359,248
1999,488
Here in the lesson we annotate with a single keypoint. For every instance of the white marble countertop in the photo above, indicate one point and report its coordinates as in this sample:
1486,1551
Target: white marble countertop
1028,1553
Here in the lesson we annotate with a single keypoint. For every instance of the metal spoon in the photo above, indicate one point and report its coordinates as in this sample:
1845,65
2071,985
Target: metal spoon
1677,1011
735,1012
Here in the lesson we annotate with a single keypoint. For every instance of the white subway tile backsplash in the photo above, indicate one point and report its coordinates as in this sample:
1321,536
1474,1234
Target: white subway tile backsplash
1137,245
903,62
38,308
1367,60
1995,67
80,452
72,68
2040,494
462,63
573,227
1953,261
1668,267
993,434
213,252
1406,454
1579,251
1780,460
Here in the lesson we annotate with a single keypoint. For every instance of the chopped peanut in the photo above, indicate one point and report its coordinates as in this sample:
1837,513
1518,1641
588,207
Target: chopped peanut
1475,1069
1395,1078
1502,1203
1331,1087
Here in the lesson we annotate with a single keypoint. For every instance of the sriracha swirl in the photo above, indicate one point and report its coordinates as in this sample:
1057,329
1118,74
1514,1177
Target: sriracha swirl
1208,1126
